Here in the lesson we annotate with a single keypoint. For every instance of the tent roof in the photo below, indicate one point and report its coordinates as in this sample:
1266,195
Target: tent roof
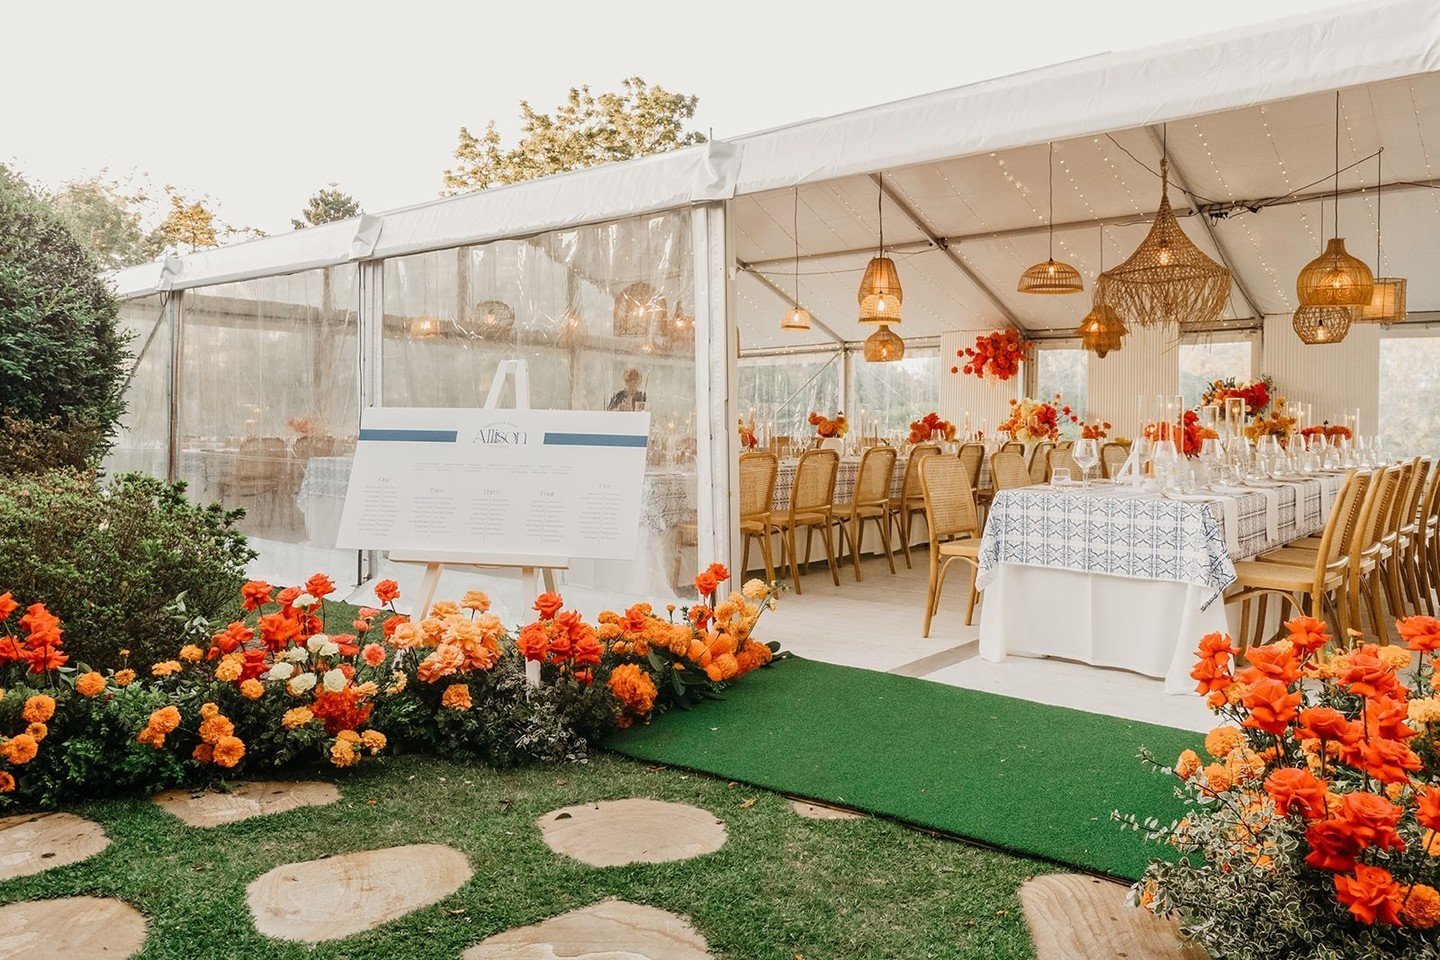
1250,115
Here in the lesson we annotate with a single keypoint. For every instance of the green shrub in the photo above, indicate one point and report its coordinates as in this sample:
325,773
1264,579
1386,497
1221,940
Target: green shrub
109,560
62,354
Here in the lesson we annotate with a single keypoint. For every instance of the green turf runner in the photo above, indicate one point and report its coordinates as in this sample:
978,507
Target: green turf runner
1024,776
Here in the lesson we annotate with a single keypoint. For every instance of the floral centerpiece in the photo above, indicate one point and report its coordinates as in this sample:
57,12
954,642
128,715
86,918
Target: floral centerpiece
1256,394
1095,429
1277,423
1193,436
827,427
748,440
1035,420
995,355
1314,823
931,427
1330,431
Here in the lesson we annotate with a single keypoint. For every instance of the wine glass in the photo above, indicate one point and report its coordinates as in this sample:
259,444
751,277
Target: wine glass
1164,462
1212,455
1086,454
1377,453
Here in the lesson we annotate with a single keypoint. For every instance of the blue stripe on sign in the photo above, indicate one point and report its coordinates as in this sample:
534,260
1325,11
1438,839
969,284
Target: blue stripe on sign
411,436
595,439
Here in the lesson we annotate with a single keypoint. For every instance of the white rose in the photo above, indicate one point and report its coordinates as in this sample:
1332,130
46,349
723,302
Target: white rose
297,654
304,600
302,683
335,680
316,642
281,671
329,648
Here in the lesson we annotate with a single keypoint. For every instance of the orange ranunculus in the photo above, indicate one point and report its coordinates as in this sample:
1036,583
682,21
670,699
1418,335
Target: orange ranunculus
1324,723
255,594
228,751
1420,907
1372,820
89,684
1420,633
1271,660
39,708
548,604
456,697
7,606
706,584
1307,634
19,749
1371,895
387,591
1293,789
1272,706
373,654
319,586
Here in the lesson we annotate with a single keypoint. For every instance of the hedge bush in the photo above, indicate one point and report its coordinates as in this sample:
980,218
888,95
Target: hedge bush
109,559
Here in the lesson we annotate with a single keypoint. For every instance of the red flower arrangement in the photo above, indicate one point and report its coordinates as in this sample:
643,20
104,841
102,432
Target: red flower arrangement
1035,420
1095,430
1256,394
996,355
1330,431
931,426
829,427
1194,434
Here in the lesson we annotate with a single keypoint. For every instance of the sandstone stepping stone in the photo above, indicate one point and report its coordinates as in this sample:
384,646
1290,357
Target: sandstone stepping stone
610,930
339,896
210,808
616,832
72,928
821,811
32,843
1075,917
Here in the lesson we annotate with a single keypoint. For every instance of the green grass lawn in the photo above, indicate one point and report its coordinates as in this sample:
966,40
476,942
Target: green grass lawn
782,887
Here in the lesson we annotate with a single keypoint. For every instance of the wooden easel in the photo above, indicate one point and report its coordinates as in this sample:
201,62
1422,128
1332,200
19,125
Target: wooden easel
533,570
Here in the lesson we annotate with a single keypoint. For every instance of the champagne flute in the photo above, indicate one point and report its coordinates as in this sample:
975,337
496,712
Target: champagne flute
1086,454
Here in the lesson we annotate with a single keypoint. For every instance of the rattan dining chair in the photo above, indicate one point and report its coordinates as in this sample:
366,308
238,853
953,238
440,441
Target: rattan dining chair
757,492
1039,465
1112,457
812,498
1012,446
1412,534
973,456
1064,458
871,501
954,529
1007,471
1294,585
911,503
1430,544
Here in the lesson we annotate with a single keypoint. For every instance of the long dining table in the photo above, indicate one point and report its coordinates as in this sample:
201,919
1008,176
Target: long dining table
1115,576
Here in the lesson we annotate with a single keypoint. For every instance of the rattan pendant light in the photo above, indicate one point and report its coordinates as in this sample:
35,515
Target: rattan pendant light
884,346
1102,330
1387,303
1335,279
1051,277
1167,279
880,295
797,317
1319,325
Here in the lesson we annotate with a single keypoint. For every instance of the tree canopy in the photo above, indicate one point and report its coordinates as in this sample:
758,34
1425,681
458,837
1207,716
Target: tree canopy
587,129
327,205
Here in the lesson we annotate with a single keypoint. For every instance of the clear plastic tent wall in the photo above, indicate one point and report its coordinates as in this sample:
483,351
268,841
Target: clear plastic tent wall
142,442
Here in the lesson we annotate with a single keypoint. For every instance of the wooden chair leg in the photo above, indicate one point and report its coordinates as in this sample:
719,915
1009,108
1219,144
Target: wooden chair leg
765,552
794,560
745,554
932,591
903,546
857,537
809,539
1244,624
974,595
827,537
1261,618
885,542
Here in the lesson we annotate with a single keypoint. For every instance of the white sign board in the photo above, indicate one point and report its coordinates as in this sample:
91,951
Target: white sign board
497,483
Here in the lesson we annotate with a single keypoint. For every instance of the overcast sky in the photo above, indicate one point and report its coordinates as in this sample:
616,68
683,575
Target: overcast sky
258,103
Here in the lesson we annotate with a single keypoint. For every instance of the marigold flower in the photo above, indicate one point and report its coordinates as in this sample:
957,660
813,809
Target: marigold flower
1186,764
151,737
1222,740
38,730
1371,895
387,591
228,751
252,689
166,719
755,590
1217,778
1425,710
123,678
1394,657
19,749
165,668
228,671
397,683
1421,908
203,753
296,717
634,688
214,729
456,697
89,684
7,782
342,754
373,740
39,708
191,653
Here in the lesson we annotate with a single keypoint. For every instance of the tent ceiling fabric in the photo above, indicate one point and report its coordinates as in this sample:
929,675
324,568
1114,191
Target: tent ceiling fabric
992,207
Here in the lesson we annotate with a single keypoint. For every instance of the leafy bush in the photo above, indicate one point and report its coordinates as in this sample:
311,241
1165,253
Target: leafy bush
109,560
62,355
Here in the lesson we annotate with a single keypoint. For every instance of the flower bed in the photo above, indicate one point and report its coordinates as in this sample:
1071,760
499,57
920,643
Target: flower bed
289,683
1315,829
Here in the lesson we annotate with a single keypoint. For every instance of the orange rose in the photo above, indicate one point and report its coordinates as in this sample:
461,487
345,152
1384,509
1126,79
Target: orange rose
1420,633
1323,723
1273,661
1307,634
548,604
255,594
1371,895
706,584
456,697
1372,820
387,591
1296,789
1272,706
319,586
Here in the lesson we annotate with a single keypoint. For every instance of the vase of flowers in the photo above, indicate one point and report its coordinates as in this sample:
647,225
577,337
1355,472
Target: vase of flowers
1031,421
828,427
1255,393
1192,436
1277,423
931,427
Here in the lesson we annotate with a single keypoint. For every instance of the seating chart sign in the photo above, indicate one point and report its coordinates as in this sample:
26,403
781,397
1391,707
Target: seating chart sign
497,482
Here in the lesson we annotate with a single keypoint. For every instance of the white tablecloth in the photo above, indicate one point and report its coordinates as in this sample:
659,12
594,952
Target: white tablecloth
1115,579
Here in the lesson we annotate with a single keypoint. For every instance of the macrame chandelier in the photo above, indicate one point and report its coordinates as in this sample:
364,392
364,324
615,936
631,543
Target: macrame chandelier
1051,277
1387,303
1321,325
797,317
880,295
1167,279
1335,279
1102,330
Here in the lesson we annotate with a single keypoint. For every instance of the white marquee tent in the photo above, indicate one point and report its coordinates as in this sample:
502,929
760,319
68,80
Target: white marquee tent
1248,117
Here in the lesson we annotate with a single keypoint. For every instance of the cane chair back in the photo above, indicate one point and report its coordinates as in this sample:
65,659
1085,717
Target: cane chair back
949,500
973,456
912,468
1007,470
757,483
872,483
814,487
1040,461
1013,446
1063,458
1112,458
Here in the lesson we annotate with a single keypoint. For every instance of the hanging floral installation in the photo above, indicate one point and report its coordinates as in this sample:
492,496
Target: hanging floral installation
995,356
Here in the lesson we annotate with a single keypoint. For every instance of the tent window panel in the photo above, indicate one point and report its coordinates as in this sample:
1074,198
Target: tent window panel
1410,395
1201,364
894,394
269,411
1066,372
142,441
779,393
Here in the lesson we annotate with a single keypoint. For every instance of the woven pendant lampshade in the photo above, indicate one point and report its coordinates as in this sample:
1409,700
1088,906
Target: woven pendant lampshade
1102,330
796,318
1335,279
1051,277
883,346
637,308
1387,303
1167,279
1321,325
493,319
573,332
880,295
